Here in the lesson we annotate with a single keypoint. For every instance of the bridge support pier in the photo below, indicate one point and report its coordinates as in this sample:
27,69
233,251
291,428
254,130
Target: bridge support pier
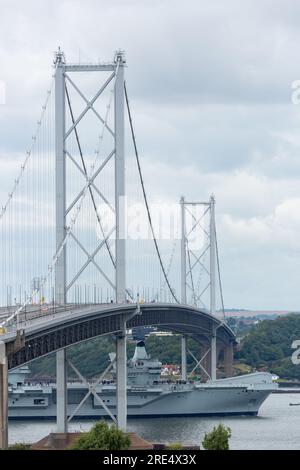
61,391
213,355
3,398
228,360
183,358
121,366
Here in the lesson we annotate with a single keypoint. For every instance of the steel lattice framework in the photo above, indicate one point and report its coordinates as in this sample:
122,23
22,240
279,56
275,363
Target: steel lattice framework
192,260
66,215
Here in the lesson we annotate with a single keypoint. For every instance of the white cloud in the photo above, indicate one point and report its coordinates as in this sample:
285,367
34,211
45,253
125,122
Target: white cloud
278,229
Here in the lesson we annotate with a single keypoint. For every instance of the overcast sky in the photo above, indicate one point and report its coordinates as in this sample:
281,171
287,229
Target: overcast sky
210,85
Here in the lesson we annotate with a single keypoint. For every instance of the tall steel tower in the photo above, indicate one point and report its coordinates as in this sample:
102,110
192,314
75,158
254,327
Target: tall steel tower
187,268
64,74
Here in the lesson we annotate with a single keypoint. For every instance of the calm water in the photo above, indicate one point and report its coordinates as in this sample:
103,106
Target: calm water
276,427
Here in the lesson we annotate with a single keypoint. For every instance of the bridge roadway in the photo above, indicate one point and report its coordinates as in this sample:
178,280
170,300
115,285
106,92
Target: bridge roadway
46,331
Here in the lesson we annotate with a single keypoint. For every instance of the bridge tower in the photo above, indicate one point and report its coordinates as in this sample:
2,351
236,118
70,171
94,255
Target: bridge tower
3,397
63,74
186,271
183,286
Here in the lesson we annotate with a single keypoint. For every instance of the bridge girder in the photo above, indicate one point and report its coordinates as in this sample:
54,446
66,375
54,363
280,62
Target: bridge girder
76,327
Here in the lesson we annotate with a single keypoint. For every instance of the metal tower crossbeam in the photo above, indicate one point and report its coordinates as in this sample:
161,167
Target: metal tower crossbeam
91,181
89,105
197,222
189,266
198,362
197,259
91,259
91,390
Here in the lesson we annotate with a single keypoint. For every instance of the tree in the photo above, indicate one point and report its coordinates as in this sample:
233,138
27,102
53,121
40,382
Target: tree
175,446
217,439
19,446
102,437
268,346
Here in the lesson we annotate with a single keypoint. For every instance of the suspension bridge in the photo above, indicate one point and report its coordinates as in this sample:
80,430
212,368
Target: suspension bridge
82,257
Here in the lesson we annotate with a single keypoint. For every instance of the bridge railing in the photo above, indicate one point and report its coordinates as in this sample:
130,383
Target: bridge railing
40,312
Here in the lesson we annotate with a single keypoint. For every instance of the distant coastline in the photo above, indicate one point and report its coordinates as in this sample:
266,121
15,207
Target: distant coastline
252,313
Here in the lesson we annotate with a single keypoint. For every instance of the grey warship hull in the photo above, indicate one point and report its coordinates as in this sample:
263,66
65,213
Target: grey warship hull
148,395
219,398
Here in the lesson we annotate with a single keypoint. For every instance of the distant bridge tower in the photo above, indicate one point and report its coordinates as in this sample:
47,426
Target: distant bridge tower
63,74
188,266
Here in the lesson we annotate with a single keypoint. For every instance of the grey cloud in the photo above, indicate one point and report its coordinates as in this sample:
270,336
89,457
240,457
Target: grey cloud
210,85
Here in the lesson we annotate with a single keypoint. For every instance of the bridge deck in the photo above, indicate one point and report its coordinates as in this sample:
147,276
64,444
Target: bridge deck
51,331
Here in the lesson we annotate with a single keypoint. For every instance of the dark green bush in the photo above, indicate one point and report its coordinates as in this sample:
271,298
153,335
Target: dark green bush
217,439
102,437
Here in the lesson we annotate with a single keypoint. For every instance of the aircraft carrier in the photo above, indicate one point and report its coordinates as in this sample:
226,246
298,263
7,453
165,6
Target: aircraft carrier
148,395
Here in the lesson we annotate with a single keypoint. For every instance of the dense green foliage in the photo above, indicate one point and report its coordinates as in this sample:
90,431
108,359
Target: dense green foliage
217,439
242,325
91,357
268,346
102,437
174,446
19,446
239,326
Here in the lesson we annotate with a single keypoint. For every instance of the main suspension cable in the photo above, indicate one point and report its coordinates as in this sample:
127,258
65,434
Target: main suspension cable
145,197
219,274
191,274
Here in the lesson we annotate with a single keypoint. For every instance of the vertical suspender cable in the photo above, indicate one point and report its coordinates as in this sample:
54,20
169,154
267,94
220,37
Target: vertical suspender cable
145,197
219,275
